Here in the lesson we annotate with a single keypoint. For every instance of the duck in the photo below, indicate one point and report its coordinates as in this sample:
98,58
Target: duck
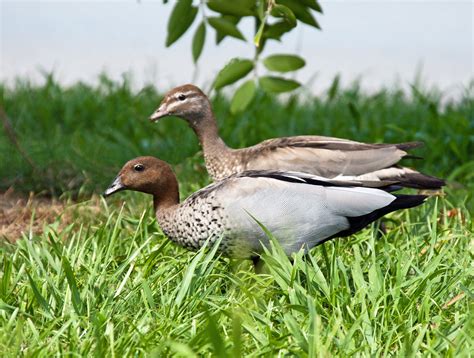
328,157
300,210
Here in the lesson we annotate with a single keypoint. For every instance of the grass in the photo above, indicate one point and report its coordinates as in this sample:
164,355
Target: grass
112,284
118,287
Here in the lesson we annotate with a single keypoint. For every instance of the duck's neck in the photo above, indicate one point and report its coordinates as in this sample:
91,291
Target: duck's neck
166,200
205,127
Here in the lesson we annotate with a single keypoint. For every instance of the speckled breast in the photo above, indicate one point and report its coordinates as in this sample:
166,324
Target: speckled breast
197,220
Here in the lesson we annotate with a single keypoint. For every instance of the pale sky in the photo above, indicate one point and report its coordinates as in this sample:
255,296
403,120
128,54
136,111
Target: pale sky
381,42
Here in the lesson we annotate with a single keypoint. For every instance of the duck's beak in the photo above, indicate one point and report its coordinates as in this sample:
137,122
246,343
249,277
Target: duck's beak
159,113
116,186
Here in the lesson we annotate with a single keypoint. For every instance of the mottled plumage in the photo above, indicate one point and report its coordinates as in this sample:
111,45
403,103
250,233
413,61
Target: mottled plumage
300,210
324,156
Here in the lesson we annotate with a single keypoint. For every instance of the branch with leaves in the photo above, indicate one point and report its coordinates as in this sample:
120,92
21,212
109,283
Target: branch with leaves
273,19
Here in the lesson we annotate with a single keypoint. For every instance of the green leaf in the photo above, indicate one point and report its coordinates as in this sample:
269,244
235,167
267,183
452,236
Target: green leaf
283,63
233,71
250,4
301,12
225,27
234,7
261,9
258,36
220,35
181,18
313,4
285,13
242,97
276,30
198,41
277,84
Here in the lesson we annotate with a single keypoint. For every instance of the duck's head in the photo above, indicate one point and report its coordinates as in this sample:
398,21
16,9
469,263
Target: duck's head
147,175
187,102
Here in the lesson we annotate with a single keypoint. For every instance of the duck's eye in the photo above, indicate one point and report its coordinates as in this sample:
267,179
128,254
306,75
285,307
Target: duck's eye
181,97
138,167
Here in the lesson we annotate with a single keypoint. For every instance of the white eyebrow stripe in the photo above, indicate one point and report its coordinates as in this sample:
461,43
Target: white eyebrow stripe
171,105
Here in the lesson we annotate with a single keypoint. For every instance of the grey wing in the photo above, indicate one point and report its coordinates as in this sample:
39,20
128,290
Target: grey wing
298,215
324,156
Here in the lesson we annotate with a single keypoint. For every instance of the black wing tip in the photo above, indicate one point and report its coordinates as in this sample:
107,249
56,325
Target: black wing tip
410,156
401,201
409,145
421,181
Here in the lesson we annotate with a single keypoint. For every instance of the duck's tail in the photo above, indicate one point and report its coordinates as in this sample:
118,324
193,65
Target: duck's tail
410,178
359,222
405,177
401,202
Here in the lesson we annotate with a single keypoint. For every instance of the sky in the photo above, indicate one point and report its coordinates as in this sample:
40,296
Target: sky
378,42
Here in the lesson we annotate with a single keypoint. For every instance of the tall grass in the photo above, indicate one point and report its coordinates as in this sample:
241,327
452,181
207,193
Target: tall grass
119,288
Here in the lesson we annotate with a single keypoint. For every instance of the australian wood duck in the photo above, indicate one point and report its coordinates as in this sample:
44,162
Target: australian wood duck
323,156
300,210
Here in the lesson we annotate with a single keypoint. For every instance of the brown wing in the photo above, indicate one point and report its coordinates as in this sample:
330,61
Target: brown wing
324,156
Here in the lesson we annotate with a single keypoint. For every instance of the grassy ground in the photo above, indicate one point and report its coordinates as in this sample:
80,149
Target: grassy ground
102,279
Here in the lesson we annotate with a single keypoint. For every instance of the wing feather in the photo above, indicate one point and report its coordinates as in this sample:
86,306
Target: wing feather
297,214
324,156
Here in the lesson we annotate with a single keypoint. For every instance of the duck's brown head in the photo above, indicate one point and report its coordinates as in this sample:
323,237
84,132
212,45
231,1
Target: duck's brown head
187,102
147,175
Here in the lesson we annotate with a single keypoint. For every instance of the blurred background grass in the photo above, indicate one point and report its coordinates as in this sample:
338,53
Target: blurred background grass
78,137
